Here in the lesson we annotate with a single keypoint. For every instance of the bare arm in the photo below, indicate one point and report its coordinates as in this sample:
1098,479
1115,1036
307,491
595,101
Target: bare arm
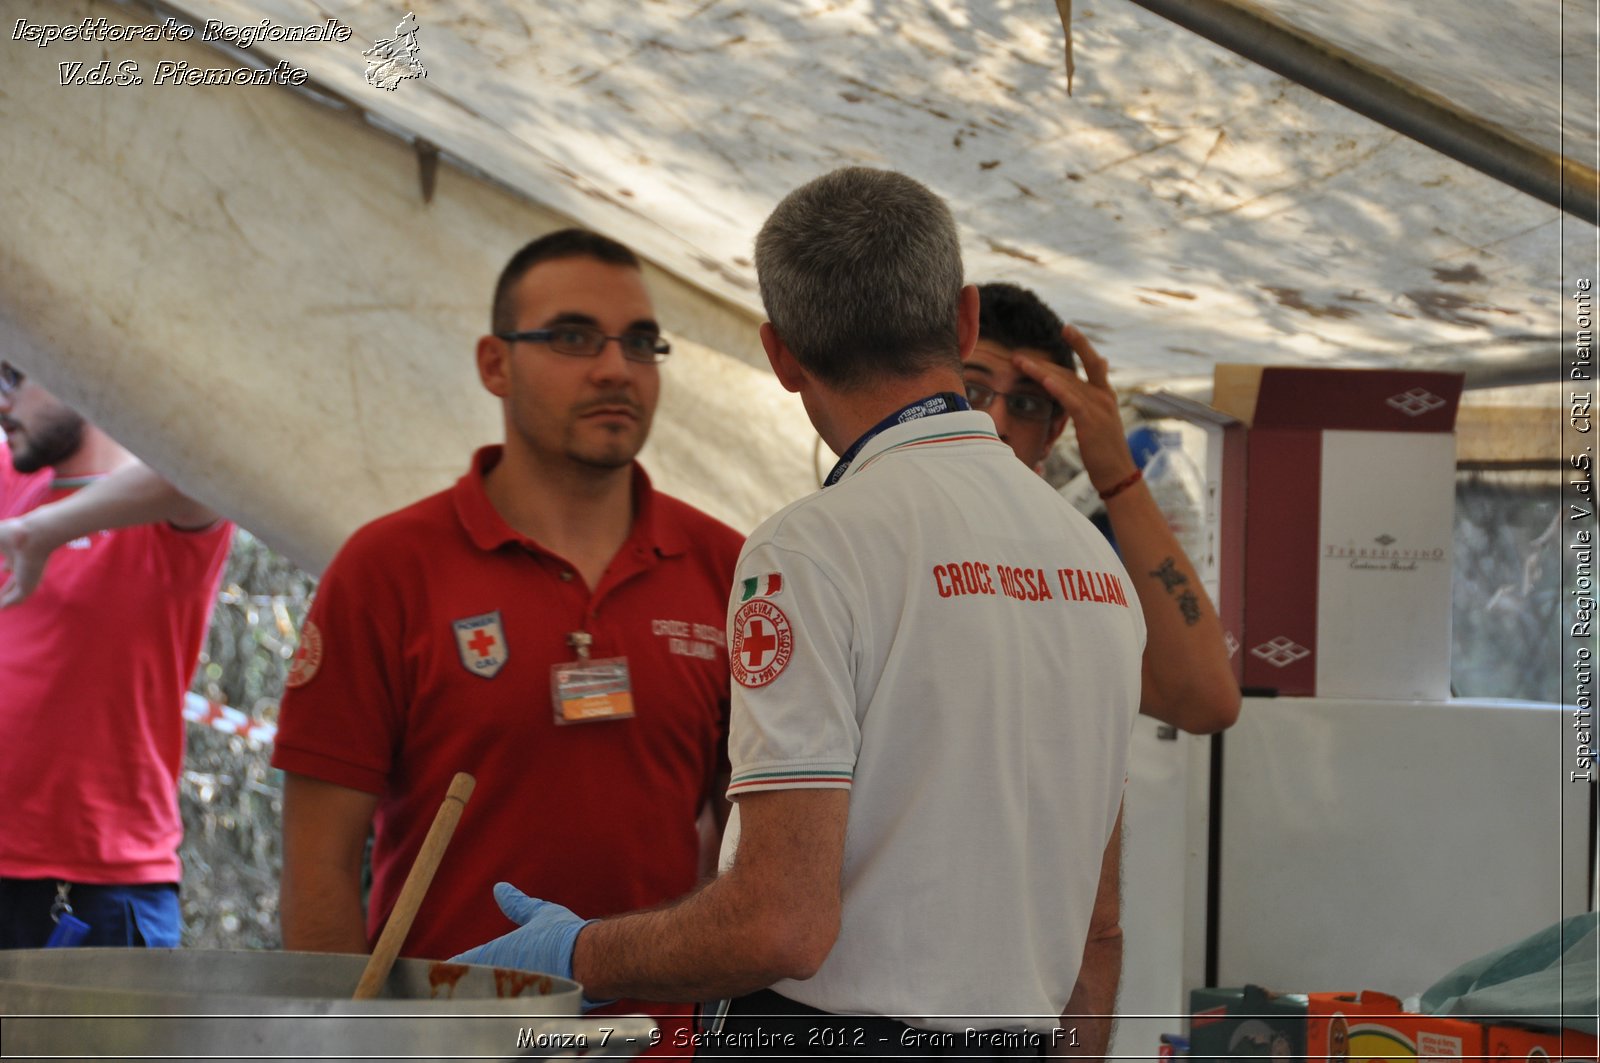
713,821
324,838
1187,680
1092,1005
132,494
773,915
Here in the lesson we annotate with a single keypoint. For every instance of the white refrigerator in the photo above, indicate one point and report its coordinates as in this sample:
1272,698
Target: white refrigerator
1343,845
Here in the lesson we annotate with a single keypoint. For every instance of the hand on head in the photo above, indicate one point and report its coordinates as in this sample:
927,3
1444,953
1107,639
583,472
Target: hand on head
1091,405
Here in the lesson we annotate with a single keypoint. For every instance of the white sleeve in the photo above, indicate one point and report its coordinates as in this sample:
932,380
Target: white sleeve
790,636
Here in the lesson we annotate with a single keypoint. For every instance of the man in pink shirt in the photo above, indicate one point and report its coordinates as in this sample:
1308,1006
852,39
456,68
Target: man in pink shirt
107,577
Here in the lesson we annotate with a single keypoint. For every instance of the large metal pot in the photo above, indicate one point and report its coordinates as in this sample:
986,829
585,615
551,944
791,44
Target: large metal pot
191,1003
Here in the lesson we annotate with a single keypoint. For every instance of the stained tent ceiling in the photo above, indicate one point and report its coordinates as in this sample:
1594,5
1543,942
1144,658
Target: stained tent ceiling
1184,205
184,262
1527,69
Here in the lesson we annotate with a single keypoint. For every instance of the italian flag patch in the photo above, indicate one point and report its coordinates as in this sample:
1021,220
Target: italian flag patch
761,586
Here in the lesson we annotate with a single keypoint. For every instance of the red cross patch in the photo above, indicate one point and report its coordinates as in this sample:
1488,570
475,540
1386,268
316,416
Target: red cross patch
762,643
308,658
481,641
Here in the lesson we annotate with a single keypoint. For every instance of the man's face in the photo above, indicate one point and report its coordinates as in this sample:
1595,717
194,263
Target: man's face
594,412
40,430
990,366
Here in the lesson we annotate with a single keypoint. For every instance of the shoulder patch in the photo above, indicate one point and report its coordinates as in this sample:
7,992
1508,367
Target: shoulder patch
761,586
481,642
308,658
762,643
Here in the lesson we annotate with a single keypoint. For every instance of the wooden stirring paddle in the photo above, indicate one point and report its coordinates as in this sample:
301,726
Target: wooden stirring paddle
416,887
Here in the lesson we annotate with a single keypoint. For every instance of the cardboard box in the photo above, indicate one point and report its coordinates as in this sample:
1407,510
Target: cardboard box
1335,518
1252,1021
1540,1046
1373,1026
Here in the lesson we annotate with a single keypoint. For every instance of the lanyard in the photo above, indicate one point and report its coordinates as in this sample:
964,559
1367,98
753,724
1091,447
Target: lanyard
943,402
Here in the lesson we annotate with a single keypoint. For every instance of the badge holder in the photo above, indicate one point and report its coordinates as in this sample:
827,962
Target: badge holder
69,930
590,690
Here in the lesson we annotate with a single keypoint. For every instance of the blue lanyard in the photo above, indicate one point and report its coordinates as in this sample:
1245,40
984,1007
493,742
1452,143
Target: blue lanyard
943,402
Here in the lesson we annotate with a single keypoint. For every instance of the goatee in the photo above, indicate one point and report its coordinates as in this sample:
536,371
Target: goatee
50,441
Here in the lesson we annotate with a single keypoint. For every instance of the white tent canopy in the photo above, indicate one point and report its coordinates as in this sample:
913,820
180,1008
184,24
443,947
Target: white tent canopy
1512,97
201,266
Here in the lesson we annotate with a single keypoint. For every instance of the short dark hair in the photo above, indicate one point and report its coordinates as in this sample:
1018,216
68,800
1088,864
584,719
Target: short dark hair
1015,318
563,243
860,273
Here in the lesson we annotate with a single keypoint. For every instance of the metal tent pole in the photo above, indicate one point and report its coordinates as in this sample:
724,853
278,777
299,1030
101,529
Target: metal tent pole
1385,97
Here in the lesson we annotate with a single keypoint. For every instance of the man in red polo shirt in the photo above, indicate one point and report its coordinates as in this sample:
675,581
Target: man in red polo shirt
550,624
107,578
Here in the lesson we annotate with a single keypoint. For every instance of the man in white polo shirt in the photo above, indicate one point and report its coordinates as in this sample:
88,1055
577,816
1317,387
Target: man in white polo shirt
936,667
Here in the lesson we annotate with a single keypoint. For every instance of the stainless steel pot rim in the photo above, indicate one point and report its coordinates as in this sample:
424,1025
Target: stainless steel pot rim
247,982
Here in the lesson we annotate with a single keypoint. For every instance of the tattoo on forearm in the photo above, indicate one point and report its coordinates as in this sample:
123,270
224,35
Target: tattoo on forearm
1171,579
1169,575
1189,606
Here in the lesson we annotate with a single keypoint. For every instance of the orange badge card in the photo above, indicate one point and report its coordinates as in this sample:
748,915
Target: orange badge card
586,691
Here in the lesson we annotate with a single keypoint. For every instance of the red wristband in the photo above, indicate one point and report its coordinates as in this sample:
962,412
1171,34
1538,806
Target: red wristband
1117,489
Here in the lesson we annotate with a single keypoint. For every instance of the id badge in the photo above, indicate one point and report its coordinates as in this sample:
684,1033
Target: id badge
588,691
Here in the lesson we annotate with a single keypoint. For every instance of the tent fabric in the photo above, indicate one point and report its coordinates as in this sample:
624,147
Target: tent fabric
1183,205
270,292
1358,80
1529,71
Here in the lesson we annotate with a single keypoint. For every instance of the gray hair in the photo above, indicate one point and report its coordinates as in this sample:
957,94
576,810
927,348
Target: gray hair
860,274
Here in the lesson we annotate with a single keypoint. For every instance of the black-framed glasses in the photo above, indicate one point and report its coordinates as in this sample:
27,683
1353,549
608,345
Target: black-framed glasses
11,379
1023,405
587,341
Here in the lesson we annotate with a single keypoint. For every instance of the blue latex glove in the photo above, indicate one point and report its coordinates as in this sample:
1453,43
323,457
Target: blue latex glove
542,942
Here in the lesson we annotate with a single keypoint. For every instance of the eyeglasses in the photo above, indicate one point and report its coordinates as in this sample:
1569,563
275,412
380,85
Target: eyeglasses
11,379
586,341
1023,405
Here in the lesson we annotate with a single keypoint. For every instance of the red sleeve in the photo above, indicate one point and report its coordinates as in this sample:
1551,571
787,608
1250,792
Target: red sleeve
204,542
730,544
344,702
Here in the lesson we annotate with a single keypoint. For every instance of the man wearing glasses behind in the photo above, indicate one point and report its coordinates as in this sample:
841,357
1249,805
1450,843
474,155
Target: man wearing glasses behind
550,624
1021,373
107,578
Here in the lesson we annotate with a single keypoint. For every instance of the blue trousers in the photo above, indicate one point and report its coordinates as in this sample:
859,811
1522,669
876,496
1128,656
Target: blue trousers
118,916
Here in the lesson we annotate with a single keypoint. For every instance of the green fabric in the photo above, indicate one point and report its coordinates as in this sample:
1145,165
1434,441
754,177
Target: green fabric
1549,980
